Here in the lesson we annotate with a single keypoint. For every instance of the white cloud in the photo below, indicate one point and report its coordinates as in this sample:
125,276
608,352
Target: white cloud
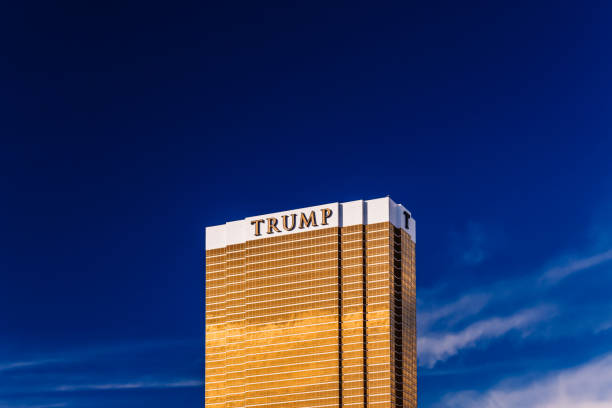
587,386
10,404
435,347
472,244
607,325
557,273
131,385
90,353
24,364
463,307
69,377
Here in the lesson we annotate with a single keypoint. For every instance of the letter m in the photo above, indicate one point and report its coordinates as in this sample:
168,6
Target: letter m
308,222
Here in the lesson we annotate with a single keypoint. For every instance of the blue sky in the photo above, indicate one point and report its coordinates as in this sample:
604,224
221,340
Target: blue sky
127,128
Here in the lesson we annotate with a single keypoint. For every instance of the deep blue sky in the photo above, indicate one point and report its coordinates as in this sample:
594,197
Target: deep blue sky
128,127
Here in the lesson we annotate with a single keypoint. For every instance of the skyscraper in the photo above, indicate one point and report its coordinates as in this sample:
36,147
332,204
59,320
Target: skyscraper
314,307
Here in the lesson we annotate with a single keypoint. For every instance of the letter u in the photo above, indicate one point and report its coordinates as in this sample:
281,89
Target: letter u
285,226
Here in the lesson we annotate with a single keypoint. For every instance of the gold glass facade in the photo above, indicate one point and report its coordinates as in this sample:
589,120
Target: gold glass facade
321,318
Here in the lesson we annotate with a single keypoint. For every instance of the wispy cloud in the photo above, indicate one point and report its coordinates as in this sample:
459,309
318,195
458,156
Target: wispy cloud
9,404
89,353
586,386
47,380
438,346
472,245
607,325
453,312
435,347
559,272
16,365
130,385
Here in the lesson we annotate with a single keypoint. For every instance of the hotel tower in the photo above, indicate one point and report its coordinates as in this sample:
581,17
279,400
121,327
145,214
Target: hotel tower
314,307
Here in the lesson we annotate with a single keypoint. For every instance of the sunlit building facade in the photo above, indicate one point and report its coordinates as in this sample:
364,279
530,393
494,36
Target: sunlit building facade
314,307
